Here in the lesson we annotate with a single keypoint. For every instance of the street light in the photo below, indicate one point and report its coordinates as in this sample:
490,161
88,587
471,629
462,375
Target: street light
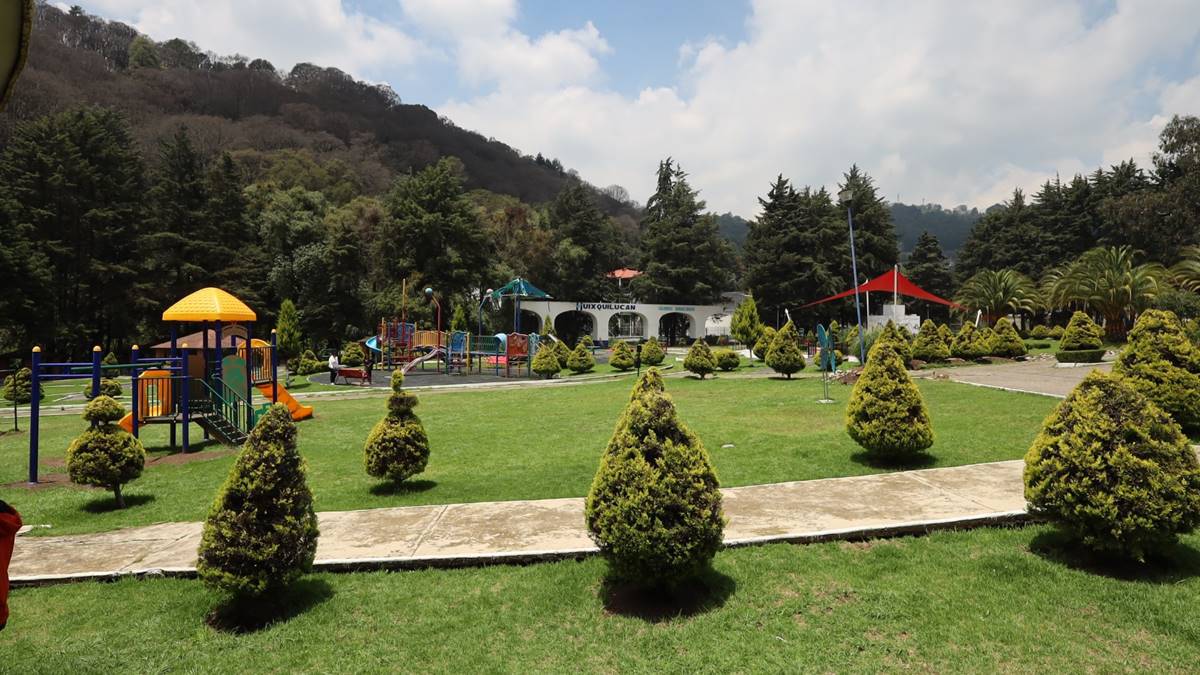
846,197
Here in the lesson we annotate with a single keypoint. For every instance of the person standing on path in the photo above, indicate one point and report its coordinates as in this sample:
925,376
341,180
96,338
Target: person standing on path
334,366
10,522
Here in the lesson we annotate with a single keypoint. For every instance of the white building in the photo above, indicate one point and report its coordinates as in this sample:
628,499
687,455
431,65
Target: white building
635,320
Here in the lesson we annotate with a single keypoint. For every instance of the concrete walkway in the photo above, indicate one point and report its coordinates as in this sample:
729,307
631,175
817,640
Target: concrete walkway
525,531
1034,377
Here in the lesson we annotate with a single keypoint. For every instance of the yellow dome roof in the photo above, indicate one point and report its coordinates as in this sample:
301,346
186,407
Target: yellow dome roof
209,304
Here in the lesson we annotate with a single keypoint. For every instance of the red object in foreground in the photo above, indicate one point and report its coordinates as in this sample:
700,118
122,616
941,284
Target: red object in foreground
890,282
10,522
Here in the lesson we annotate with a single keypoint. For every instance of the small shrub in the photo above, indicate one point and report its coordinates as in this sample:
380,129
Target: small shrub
929,346
1033,344
352,355
105,455
898,338
108,387
1114,469
397,448
586,340
1039,332
654,508
699,359
969,344
1080,356
1081,333
947,336
563,352
1056,332
581,359
545,361
110,359
652,352
727,360
309,364
622,356
261,532
1007,343
19,385
886,414
785,355
987,338
765,338
1162,364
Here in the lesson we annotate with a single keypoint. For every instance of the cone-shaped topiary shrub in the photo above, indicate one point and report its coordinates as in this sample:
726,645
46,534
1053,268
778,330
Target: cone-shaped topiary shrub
886,414
898,338
1008,343
785,355
1056,332
947,336
654,508
261,533
1081,333
987,338
563,352
622,356
1039,332
652,352
1162,363
18,387
727,360
1114,469
929,346
765,339
105,455
397,448
581,359
586,340
110,359
545,361
968,344
352,355
699,359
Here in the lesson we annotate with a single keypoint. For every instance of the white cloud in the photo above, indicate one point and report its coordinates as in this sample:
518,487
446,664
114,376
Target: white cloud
285,32
940,101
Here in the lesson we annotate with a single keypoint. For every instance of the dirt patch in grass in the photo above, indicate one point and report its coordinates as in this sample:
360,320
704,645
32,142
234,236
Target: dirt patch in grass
176,458
46,481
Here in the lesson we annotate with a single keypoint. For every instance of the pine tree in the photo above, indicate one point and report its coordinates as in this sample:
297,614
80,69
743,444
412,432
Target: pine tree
745,324
1163,364
397,448
928,268
587,243
930,346
684,258
874,233
654,508
261,533
178,244
886,414
765,340
699,359
458,320
287,331
105,455
785,355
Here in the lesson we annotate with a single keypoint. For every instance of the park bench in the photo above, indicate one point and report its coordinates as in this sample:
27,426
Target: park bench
355,374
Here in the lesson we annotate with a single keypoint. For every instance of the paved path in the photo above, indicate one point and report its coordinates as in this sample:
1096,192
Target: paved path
1035,377
523,531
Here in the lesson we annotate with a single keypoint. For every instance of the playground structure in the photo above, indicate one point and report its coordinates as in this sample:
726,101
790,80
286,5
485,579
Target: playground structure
210,384
401,345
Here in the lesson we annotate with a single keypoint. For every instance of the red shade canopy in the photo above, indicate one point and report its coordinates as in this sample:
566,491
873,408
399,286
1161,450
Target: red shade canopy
890,282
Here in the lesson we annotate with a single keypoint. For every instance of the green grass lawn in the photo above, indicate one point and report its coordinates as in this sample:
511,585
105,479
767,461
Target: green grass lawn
530,443
993,600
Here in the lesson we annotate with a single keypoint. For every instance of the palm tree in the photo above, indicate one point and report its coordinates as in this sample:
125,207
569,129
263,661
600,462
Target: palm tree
1186,273
999,292
1110,282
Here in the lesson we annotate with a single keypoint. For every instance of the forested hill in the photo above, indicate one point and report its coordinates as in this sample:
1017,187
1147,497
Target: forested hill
950,226
244,105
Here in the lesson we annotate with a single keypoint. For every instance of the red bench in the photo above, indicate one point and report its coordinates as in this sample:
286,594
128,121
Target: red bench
355,374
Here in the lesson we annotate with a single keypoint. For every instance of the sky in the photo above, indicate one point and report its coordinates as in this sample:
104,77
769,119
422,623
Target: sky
941,101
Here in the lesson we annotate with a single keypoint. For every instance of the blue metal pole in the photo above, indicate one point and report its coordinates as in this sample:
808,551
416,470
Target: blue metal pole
184,409
862,340
249,372
134,389
35,391
95,371
274,367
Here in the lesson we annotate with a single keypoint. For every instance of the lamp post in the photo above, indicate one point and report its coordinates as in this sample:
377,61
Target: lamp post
483,301
438,328
846,196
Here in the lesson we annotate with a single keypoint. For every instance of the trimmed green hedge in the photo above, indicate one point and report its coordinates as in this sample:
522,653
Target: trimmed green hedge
1080,356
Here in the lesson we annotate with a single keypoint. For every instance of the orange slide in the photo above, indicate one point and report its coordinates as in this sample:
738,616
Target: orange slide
299,412
126,422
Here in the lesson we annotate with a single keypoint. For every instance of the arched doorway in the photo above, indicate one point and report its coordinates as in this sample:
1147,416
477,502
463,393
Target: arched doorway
675,328
572,325
626,325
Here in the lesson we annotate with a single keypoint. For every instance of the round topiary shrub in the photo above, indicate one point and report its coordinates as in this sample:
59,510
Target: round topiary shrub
886,414
545,361
652,352
622,356
105,455
18,387
261,532
654,508
1162,363
308,364
969,344
727,360
1007,342
108,387
581,359
699,359
1081,333
765,339
397,448
1056,332
352,355
1039,332
785,355
929,346
1114,469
